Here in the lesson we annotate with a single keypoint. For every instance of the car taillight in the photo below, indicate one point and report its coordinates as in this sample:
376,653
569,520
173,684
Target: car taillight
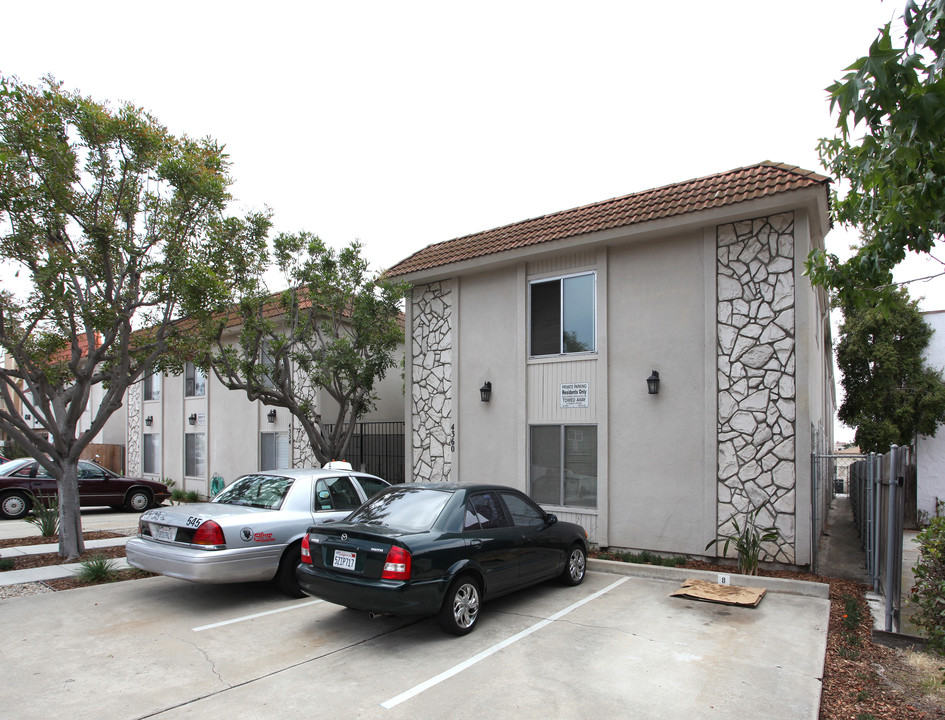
209,533
306,551
397,564
144,529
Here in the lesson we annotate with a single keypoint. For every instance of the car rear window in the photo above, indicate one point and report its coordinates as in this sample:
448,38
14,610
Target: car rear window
262,491
409,509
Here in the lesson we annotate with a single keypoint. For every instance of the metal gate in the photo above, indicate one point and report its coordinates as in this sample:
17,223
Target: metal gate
875,485
377,448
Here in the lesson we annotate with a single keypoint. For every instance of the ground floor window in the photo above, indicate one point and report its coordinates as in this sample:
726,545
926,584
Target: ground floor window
274,451
195,454
152,454
563,465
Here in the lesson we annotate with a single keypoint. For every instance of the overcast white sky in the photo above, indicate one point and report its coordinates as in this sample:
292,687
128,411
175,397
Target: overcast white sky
407,123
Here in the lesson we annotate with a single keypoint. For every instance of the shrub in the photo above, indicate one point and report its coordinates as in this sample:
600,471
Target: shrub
191,496
178,495
45,514
928,593
97,568
748,539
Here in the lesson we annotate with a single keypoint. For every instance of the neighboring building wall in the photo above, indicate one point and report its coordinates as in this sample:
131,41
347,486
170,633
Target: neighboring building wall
232,426
930,451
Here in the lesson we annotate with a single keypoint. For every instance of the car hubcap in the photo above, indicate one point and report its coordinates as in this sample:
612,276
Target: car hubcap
13,505
139,502
466,605
577,565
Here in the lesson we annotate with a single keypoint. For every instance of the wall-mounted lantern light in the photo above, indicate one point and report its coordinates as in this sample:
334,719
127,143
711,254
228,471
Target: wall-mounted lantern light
653,383
149,421
271,417
192,419
485,392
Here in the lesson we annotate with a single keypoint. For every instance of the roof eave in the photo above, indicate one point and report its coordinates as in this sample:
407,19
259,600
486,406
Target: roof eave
812,199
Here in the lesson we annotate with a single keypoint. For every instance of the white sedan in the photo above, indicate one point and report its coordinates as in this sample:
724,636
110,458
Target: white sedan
252,530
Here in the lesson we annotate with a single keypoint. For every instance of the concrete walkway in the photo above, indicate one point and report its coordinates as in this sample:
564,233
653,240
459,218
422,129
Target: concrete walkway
841,555
53,572
93,519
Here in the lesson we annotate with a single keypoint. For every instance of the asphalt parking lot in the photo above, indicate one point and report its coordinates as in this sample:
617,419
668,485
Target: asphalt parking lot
616,646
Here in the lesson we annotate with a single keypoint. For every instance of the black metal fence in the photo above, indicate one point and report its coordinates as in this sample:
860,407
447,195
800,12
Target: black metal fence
378,448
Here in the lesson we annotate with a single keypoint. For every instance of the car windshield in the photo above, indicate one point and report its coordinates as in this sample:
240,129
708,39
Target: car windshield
262,491
410,509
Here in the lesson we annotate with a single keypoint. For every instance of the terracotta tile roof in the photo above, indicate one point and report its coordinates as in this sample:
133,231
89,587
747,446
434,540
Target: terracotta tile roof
64,355
748,183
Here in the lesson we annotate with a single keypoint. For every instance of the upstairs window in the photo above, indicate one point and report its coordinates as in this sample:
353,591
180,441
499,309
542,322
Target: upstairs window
563,315
195,381
152,386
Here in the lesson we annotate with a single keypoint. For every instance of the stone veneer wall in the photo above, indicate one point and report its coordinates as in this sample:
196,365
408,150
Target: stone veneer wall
431,347
756,376
133,459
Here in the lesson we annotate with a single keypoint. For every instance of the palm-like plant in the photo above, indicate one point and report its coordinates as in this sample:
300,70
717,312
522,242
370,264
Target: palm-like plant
748,540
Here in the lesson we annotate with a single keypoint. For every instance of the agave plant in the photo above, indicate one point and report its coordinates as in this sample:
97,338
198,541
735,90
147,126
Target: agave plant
748,539
45,514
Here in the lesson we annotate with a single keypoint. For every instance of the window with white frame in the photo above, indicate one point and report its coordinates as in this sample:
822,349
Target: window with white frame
274,451
152,454
152,386
195,454
195,381
563,315
563,465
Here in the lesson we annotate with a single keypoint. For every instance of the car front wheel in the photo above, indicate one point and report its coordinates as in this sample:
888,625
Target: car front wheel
576,566
138,501
14,505
460,610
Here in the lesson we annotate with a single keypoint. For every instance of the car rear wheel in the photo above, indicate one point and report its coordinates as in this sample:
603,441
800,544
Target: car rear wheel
137,500
460,610
14,505
285,578
574,569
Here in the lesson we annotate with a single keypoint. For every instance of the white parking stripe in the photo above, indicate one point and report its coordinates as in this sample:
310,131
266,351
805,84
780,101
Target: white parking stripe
446,674
256,615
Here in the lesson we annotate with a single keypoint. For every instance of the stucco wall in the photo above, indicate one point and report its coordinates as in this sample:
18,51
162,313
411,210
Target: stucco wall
490,347
930,451
661,490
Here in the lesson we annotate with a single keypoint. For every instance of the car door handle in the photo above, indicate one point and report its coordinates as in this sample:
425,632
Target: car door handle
475,543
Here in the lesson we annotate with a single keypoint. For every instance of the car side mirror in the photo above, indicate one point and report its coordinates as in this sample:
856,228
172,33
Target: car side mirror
551,519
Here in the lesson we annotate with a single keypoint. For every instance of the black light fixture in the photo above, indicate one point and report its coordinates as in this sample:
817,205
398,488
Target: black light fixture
485,392
27,417
271,416
653,383
149,421
192,419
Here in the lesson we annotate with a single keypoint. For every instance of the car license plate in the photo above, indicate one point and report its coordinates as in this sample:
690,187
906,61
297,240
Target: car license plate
344,560
163,532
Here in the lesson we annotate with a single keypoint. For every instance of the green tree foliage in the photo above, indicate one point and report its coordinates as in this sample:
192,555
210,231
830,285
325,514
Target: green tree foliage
335,330
115,225
889,156
889,393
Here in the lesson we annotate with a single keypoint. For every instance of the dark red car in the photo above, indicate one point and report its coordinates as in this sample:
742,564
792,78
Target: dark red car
19,479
